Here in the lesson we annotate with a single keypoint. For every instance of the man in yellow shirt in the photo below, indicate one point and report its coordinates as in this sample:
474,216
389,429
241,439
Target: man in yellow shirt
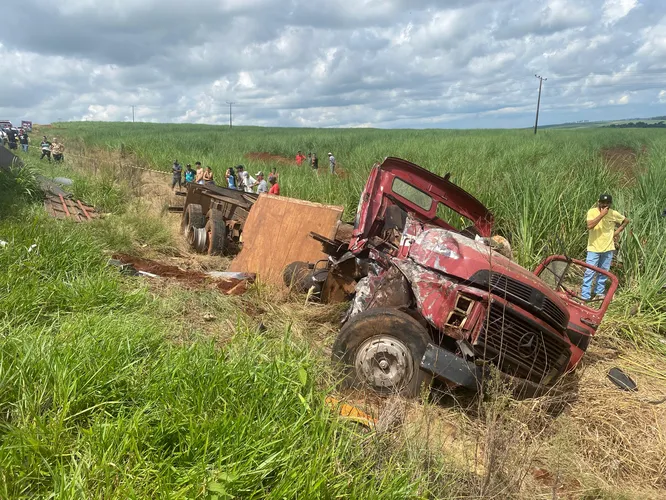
602,224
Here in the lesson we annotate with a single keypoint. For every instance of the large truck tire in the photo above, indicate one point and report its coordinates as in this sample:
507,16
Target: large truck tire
192,217
381,349
217,236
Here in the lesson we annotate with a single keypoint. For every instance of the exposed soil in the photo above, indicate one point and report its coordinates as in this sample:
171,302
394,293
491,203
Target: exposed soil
189,279
266,157
623,160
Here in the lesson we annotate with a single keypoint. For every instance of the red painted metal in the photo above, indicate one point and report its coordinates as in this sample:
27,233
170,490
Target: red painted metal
582,319
64,205
379,194
85,212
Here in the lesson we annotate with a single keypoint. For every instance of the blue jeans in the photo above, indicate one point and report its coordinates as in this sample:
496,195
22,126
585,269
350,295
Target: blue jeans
598,259
25,147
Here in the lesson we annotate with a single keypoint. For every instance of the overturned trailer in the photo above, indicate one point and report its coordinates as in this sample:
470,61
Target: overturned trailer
214,216
432,296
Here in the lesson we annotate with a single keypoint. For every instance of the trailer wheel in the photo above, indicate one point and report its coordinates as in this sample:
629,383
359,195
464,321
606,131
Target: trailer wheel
196,237
381,349
192,216
215,214
298,275
217,236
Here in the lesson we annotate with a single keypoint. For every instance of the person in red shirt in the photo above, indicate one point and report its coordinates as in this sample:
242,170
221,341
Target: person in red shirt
299,158
275,187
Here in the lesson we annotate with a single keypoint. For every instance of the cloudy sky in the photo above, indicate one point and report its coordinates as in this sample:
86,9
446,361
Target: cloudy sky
333,63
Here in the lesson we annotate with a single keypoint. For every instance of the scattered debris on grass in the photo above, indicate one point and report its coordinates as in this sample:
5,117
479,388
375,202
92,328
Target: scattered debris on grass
61,204
350,412
227,283
622,380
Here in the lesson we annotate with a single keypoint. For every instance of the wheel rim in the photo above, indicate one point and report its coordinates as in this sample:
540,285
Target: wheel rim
196,237
384,362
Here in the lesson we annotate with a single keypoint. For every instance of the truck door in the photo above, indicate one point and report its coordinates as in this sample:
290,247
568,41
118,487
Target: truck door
565,276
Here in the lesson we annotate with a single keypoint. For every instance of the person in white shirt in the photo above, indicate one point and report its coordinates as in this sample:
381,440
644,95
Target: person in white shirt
246,181
331,162
260,183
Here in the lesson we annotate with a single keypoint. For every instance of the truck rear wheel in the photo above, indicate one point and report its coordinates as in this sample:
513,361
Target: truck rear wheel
192,217
381,349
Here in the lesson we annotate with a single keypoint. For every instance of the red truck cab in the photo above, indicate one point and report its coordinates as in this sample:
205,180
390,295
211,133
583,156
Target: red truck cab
433,298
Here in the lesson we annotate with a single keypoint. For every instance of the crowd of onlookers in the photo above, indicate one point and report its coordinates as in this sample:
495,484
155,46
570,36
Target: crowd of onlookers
13,137
234,178
238,178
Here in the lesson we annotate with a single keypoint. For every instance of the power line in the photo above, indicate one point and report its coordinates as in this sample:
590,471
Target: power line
536,122
230,103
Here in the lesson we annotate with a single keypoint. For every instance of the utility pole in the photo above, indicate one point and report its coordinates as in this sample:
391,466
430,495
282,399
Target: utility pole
536,123
230,103
132,113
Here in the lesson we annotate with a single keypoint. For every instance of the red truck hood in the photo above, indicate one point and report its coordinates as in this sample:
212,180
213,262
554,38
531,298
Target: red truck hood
461,257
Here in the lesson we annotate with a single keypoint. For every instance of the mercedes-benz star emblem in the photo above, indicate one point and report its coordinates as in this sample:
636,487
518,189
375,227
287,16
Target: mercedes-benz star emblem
528,344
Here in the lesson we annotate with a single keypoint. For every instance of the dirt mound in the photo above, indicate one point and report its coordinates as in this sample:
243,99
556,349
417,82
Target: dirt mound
623,160
267,157
190,279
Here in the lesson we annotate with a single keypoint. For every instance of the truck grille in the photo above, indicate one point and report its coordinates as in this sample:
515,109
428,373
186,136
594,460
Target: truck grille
524,295
520,348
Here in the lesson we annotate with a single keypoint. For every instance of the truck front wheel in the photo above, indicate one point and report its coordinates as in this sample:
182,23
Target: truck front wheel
382,349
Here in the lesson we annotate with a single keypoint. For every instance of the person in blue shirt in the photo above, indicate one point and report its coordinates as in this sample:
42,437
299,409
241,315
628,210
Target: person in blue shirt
231,178
189,174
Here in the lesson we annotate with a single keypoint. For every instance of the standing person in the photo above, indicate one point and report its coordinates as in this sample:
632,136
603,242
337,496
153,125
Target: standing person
275,187
246,181
314,162
177,171
208,176
331,163
230,175
58,149
11,138
45,146
189,174
601,224
24,140
199,177
299,158
260,183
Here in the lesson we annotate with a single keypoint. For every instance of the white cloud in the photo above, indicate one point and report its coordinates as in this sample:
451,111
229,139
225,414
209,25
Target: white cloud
340,63
614,10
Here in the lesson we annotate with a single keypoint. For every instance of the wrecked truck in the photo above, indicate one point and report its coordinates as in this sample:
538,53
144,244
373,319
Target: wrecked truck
432,297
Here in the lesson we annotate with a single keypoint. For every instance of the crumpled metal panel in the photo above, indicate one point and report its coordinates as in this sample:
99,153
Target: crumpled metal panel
434,294
390,288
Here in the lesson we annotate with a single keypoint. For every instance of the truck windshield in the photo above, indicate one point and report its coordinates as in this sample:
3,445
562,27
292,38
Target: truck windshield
455,220
411,194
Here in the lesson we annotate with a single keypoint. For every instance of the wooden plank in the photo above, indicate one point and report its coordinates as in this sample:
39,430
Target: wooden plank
276,234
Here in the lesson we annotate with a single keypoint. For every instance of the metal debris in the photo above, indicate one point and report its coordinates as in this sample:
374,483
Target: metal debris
62,205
